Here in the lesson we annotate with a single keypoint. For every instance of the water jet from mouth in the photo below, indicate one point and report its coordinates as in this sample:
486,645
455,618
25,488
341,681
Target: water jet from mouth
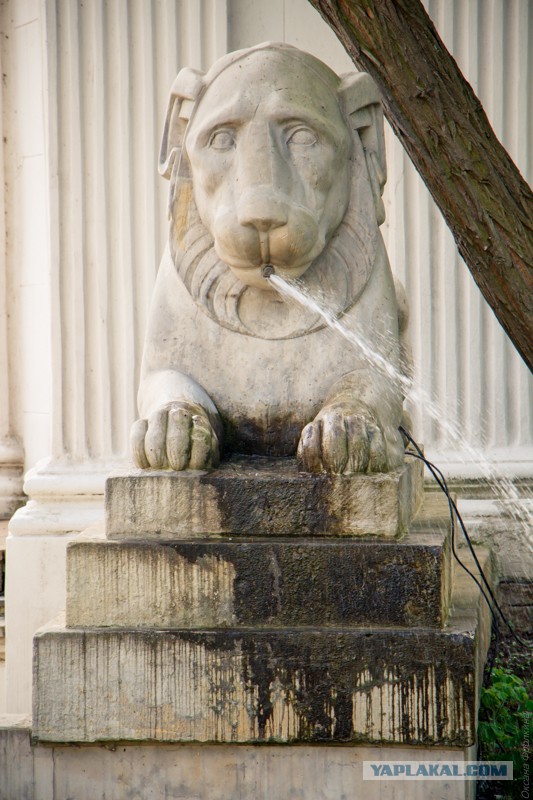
519,508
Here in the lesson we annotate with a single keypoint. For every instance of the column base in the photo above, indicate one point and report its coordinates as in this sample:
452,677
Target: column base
11,469
64,498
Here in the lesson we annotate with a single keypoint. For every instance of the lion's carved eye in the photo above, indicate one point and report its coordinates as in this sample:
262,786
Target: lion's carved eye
222,140
302,137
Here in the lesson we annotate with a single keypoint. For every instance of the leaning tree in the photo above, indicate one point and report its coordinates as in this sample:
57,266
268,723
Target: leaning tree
441,123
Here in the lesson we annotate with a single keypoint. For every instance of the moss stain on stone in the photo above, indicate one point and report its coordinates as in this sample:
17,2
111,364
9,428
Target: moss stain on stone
319,676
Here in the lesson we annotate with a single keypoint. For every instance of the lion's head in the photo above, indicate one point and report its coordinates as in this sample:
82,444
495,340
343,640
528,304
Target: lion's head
273,159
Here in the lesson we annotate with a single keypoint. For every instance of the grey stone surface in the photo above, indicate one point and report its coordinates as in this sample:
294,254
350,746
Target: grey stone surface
16,759
261,497
516,599
212,772
402,685
275,582
505,529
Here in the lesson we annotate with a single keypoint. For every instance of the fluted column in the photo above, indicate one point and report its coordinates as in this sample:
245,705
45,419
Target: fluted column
11,453
108,68
468,367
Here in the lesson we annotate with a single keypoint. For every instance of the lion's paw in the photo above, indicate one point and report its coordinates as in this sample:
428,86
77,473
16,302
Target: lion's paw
347,440
178,436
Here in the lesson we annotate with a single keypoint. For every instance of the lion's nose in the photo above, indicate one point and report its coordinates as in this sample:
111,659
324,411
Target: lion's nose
260,209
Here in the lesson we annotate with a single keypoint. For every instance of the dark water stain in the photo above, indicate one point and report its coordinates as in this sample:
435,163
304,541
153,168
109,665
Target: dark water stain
337,582
277,438
320,677
251,505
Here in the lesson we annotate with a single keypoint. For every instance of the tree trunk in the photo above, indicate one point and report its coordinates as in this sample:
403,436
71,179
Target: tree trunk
442,125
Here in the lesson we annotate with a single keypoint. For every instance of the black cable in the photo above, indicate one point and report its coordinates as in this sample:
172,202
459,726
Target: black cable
493,651
495,627
454,512
439,478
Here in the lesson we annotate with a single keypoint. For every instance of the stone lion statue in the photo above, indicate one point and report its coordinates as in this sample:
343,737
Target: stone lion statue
275,161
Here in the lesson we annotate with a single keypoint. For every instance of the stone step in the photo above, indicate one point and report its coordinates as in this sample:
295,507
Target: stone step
392,686
211,772
219,583
260,497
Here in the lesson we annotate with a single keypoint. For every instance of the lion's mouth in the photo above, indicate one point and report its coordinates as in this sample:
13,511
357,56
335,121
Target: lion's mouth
245,265
289,260
291,246
267,271
259,275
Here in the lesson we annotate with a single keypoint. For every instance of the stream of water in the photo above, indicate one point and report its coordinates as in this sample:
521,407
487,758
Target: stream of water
520,508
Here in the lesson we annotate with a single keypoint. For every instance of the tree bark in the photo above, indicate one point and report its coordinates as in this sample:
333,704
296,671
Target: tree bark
442,125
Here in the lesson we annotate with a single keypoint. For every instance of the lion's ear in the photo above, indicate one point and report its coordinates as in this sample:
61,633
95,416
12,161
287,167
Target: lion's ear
361,102
183,95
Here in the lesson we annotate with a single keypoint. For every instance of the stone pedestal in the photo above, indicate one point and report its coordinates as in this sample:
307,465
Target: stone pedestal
260,497
241,582
304,633
390,686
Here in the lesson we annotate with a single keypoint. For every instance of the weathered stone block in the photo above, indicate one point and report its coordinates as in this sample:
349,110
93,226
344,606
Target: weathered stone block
403,686
214,583
516,599
16,759
261,497
213,772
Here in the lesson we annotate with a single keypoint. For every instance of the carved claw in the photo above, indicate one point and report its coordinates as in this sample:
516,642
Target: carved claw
345,441
178,436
